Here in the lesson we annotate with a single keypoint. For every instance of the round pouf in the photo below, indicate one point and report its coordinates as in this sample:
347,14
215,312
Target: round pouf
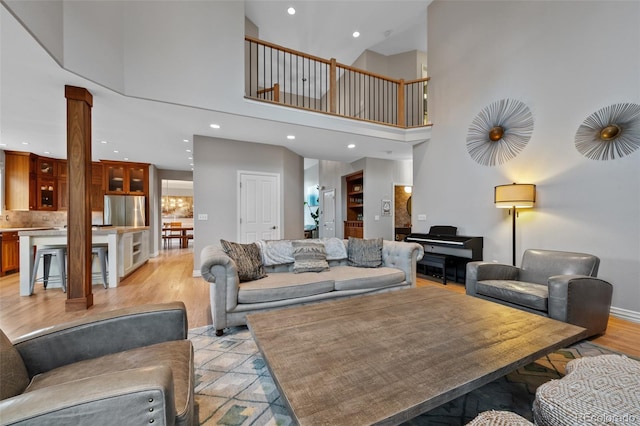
499,418
597,390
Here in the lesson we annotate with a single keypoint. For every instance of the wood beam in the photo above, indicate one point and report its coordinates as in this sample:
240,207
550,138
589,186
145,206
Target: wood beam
79,103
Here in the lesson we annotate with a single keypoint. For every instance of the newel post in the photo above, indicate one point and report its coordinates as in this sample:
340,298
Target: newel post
79,103
401,120
332,86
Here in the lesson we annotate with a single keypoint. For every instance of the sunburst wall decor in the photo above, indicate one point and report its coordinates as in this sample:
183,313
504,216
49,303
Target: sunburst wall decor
499,132
609,133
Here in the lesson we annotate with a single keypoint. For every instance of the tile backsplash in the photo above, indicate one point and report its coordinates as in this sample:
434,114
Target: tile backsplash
37,219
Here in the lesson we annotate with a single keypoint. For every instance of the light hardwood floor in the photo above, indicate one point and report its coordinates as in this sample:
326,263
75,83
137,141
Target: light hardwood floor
168,277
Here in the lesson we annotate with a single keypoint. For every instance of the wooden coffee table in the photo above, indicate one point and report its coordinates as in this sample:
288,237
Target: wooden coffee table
386,358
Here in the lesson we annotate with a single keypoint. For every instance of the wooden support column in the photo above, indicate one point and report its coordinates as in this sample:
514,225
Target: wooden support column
79,103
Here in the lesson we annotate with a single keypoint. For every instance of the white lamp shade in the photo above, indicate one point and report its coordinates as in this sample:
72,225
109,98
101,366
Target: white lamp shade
516,195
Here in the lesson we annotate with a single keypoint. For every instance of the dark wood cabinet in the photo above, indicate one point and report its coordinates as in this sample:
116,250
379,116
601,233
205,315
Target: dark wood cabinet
33,182
9,252
125,178
354,225
97,192
46,194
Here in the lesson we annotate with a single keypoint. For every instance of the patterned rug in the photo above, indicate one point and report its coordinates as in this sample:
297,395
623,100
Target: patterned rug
234,387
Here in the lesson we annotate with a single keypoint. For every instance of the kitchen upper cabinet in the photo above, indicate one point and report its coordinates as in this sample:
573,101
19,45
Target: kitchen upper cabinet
125,178
97,193
20,180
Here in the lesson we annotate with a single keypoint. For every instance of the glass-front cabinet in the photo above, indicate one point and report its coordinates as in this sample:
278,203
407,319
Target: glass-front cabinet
46,194
125,178
136,177
115,178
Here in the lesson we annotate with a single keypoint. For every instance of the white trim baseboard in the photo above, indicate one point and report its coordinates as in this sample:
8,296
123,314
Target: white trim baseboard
625,314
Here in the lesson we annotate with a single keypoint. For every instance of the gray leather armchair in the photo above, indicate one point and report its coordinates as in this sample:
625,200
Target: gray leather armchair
557,284
124,367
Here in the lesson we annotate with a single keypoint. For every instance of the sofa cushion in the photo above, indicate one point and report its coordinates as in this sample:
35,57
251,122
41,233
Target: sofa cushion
309,257
350,278
176,354
247,258
13,374
365,253
531,295
284,285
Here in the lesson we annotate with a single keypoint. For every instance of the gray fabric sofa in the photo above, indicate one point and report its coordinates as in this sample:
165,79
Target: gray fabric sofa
557,284
232,300
124,367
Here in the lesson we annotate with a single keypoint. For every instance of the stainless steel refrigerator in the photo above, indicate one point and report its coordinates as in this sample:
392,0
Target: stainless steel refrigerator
124,210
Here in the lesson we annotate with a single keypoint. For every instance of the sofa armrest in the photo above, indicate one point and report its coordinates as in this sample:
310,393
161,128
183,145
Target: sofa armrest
221,272
139,396
480,271
580,300
102,334
404,256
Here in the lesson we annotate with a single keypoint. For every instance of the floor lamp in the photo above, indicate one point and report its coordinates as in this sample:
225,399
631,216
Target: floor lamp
514,196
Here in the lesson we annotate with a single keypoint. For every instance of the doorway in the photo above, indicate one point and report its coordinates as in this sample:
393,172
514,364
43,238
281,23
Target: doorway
402,211
328,213
259,206
177,213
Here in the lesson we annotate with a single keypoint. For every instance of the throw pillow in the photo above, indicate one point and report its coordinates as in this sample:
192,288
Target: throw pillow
364,253
309,257
247,258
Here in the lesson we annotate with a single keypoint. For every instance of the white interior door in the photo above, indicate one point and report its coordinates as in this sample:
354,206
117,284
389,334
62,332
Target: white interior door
328,213
259,206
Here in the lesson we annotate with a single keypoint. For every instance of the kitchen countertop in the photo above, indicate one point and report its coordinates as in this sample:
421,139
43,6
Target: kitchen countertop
39,228
96,231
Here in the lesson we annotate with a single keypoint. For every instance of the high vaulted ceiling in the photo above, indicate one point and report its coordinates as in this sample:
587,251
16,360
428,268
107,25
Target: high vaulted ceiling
33,112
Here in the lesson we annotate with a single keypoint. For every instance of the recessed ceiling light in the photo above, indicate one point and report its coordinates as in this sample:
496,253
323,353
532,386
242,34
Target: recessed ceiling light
25,143
116,151
191,164
356,34
185,140
291,137
126,158
188,150
189,158
103,141
214,126
47,152
351,145
291,11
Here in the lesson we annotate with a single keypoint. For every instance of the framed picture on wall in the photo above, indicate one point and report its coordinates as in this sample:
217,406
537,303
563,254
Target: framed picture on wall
386,207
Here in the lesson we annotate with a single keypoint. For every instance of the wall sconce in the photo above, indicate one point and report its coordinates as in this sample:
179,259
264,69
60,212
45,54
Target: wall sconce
514,196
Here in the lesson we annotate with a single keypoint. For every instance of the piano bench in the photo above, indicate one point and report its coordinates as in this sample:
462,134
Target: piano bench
436,261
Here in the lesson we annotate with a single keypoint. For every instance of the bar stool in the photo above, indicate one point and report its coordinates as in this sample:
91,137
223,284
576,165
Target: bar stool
60,252
101,251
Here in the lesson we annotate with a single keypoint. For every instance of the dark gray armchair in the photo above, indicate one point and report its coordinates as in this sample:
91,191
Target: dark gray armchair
557,284
124,367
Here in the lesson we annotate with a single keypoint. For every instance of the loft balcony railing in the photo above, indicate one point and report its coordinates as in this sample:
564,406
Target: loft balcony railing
287,77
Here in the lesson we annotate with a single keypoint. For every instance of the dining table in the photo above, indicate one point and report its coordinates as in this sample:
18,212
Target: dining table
178,232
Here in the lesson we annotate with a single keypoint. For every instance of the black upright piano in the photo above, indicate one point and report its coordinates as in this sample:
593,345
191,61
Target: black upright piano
446,253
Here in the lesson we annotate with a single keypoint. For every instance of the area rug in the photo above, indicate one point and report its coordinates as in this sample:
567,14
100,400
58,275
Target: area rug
234,387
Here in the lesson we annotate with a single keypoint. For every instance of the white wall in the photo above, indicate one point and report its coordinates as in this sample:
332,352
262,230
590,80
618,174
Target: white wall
215,183
565,61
